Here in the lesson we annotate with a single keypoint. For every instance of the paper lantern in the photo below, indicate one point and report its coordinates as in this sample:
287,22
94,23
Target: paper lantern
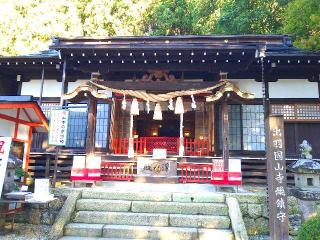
193,103
134,107
157,115
179,109
170,106
148,106
124,103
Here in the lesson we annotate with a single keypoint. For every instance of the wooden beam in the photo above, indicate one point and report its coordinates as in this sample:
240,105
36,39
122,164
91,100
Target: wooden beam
225,133
91,126
63,81
41,88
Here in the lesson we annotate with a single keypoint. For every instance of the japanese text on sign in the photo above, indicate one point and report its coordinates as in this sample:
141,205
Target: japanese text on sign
58,127
277,180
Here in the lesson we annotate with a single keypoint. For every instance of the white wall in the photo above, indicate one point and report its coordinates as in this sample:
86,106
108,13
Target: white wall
73,85
23,132
293,88
7,128
51,88
249,86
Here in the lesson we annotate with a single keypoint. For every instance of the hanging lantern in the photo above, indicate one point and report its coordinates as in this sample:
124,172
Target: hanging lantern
148,106
170,106
124,103
134,107
179,109
193,103
157,115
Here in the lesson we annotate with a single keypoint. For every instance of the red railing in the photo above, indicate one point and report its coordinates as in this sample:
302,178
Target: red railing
121,145
195,173
145,145
196,147
117,171
169,143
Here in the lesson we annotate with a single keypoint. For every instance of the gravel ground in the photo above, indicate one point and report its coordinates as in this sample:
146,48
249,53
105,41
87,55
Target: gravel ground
25,232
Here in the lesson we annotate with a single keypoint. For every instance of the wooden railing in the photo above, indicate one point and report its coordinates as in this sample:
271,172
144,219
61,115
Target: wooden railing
117,171
196,147
195,173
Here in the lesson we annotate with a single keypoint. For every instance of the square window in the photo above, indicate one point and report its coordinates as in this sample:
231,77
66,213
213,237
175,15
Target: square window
310,181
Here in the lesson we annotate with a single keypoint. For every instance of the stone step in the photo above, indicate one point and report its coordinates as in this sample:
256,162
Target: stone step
154,196
103,205
152,207
125,218
149,232
152,219
94,238
216,209
131,196
92,231
199,221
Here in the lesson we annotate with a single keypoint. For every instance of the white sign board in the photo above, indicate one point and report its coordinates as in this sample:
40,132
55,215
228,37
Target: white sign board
159,153
58,127
41,188
5,143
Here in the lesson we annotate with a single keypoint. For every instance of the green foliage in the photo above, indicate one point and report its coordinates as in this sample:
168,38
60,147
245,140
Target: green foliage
20,172
169,17
27,26
302,20
310,229
250,16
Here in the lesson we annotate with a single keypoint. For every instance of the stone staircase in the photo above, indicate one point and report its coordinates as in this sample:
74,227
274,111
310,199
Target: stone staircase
149,215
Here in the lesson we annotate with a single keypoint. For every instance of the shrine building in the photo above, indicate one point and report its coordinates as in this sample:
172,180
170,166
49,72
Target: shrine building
203,99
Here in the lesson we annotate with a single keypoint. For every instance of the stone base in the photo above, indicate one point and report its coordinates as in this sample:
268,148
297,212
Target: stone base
306,194
156,179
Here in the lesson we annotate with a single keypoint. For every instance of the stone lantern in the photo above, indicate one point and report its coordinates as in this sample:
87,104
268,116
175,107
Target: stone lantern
9,183
306,171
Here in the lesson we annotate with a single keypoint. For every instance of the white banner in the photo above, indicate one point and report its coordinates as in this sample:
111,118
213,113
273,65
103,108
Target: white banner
5,143
58,127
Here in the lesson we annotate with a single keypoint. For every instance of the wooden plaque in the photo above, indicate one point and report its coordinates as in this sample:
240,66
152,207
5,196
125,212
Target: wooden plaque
277,179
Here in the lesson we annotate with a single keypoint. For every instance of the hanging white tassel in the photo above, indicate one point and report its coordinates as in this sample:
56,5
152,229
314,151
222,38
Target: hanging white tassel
157,115
124,103
170,106
148,106
193,104
179,109
134,107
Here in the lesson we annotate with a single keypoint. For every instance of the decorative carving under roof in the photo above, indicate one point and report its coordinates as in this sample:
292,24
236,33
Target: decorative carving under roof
229,87
158,76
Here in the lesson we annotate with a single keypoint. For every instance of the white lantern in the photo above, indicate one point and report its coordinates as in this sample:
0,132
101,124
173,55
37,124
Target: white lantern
170,106
134,107
179,109
193,104
157,115
124,103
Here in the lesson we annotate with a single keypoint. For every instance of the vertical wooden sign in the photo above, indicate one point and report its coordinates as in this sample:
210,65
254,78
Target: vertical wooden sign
277,179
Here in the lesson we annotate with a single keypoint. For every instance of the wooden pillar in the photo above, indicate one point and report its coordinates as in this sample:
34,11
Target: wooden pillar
131,143
91,127
63,82
41,87
181,139
63,78
210,125
225,133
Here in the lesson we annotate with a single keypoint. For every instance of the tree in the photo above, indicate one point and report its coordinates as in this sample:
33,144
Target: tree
250,16
28,26
102,18
169,17
302,20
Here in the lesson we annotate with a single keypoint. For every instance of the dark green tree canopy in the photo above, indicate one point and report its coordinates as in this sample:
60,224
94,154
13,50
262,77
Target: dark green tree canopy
28,26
